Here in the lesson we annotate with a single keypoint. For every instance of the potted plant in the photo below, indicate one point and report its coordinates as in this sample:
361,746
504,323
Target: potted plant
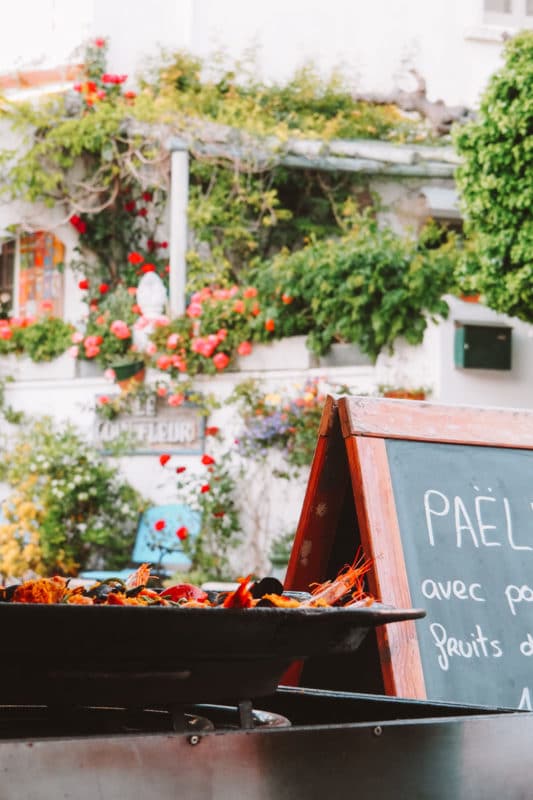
404,393
128,372
108,337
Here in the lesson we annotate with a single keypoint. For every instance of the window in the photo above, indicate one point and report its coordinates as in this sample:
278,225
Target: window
7,275
508,13
40,279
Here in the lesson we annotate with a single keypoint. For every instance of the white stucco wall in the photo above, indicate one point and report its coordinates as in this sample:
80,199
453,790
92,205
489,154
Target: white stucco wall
432,364
375,42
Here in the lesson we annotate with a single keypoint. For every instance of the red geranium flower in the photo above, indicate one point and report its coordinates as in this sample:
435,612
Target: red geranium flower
179,470
218,514
129,95
270,325
103,288
83,284
99,42
148,268
238,307
206,460
142,212
182,533
287,299
163,459
221,360
147,197
160,524
251,291
135,258
205,488
129,206
211,431
244,349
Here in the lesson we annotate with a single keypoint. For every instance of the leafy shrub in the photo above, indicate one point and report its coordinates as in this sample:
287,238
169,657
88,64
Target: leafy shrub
496,182
69,509
41,340
368,287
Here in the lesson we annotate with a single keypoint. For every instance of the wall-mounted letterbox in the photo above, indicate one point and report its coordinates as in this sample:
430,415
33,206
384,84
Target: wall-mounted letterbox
482,346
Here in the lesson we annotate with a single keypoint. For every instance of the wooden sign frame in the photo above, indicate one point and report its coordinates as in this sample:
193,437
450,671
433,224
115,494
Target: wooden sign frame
352,442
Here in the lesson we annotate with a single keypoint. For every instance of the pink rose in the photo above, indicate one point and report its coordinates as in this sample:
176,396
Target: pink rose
120,329
244,349
176,399
76,337
163,362
194,310
172,341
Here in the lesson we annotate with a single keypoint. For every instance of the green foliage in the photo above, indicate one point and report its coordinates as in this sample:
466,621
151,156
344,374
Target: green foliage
46,339
42,340
368,287
232,94
245,217
496,182
70,503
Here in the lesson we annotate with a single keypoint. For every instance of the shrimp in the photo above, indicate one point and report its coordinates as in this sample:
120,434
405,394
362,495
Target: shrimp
241,597
348,581
139,577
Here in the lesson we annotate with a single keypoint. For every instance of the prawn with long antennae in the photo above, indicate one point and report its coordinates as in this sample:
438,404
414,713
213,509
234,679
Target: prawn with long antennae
349,582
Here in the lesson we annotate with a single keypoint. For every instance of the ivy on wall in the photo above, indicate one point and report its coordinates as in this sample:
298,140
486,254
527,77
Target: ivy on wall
496,183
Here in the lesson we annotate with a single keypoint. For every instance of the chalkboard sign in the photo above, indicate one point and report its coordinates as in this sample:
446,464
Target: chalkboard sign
443,500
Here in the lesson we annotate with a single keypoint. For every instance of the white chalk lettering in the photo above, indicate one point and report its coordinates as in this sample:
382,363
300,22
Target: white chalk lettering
483,526
433,511
518,594
525,700
478,646
510,528
445,590
526,647
466,525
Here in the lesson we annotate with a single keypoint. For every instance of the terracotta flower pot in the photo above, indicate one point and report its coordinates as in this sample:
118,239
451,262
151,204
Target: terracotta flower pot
128,374
405,394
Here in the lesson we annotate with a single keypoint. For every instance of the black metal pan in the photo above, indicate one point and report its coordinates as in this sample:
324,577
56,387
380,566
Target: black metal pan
131,655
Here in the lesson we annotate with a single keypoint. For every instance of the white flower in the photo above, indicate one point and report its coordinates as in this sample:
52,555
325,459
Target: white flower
81,526
83,496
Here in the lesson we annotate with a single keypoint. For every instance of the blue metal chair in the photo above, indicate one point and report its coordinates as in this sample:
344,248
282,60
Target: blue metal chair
162,549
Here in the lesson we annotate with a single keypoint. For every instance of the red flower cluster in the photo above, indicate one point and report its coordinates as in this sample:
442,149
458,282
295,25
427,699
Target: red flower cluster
78,223
115,79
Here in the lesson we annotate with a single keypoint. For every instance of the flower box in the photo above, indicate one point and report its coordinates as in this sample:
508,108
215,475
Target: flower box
22,368
289,353
88,369
343,354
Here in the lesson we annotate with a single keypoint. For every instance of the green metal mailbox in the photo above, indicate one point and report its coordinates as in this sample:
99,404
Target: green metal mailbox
482,346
